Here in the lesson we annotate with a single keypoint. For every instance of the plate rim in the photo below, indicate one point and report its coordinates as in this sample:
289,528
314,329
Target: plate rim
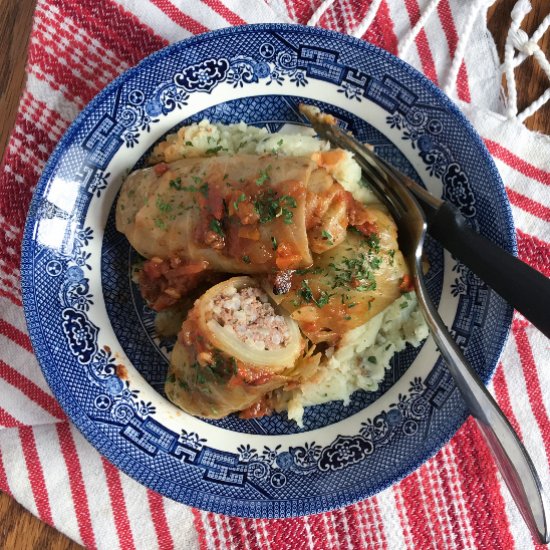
284,507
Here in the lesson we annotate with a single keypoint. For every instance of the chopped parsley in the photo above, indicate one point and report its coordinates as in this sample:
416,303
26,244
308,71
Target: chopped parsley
391,254
163,206
268,207
214,150
202,189
216,226
306,294
240,198
354,272
372,359
274,243
373,240
326,235
160,223
264,175
189,144
246,259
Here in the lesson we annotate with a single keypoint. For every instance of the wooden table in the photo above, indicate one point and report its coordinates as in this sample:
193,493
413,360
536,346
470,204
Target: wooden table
18,528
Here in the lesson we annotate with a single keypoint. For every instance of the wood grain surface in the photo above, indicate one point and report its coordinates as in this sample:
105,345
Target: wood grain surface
20,530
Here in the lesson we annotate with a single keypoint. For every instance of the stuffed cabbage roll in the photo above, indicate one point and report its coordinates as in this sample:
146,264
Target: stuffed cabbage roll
347,285
232,350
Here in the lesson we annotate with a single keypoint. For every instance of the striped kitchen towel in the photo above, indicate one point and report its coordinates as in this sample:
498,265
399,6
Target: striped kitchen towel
455,500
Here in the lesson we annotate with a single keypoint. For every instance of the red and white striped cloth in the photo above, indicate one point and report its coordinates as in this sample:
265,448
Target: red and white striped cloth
457,499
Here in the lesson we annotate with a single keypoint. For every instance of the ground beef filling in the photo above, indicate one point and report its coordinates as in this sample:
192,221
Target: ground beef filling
249,315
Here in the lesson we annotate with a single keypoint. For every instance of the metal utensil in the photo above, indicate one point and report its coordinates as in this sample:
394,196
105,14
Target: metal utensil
512,459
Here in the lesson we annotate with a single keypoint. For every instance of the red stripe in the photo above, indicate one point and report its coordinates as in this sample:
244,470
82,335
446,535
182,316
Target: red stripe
402,512
533,384
433,503
448,24
342,537
422,44
158,516
200,527
116,28
230,16
180,18
77,51
236,534
4,485
31,390
78,89
451,499
17,336
381,32
415,510
534,251
36,474
478,476
14,298
118,505
76,483
7,420
517,163
318,531
529,205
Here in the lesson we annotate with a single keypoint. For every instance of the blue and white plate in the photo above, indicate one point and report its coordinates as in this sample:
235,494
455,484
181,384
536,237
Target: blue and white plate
95,339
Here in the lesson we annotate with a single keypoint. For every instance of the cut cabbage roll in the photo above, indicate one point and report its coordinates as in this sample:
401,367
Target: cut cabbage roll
232,350
347,285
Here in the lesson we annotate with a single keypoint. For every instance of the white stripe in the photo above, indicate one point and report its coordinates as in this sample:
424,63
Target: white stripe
402,24
404,520
97,491
459,499
181,523
255,12
309,534
530,224
209,532
522,408
53,99
523,184
22,408
23,362
541,353
13,314
393,532
139,514
57,480
16,469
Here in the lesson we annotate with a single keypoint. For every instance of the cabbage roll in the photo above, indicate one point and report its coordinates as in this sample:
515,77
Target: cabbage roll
347,285
233,349
241,214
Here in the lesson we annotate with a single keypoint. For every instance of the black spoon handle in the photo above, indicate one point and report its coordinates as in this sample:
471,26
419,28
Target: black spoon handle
526,289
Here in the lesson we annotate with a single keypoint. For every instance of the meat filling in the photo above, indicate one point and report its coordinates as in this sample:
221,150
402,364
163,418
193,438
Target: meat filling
249,315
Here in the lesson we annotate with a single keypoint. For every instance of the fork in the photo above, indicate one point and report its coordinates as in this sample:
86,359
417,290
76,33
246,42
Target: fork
511,457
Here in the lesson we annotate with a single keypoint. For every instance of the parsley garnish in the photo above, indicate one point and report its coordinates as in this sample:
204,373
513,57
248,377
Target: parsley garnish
246,259
326,235
264,175
306,294
352,270
163,206
240,198
373,241
202,189
160,223
214,150
268,207
216,226
274,243
372,359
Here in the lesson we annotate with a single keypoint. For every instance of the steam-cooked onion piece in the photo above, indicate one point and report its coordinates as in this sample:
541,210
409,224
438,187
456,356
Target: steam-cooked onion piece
350,283
232,350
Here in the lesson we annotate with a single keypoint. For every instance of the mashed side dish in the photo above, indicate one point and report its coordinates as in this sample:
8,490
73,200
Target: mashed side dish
327,300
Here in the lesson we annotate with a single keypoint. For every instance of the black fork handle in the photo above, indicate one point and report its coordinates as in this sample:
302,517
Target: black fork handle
526,289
